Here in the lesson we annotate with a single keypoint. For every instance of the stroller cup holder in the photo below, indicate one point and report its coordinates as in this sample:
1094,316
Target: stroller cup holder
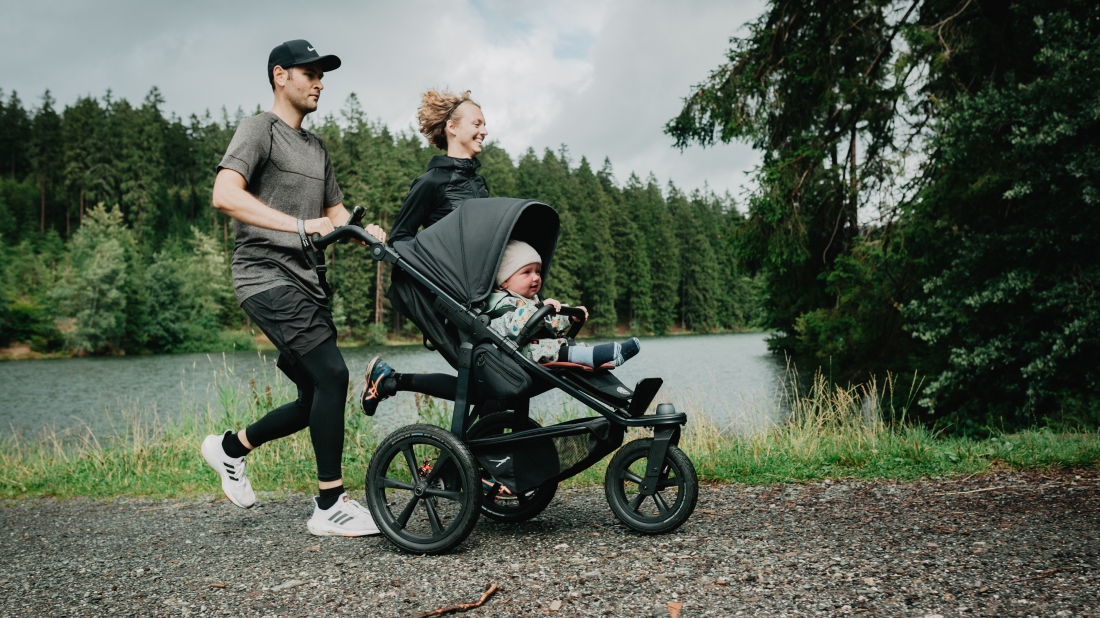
427,486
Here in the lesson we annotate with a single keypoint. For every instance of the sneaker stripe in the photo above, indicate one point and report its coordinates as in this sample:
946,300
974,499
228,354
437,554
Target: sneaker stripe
346,519
335,515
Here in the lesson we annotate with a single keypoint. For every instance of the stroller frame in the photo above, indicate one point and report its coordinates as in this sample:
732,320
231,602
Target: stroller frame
474,329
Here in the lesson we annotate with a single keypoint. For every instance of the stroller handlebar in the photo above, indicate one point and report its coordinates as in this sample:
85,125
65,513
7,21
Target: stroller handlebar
344,232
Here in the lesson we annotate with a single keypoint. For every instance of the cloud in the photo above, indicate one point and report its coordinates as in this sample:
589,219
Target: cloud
599,76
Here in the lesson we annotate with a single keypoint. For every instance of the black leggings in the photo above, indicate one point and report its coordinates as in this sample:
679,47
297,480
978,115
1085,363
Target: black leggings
322,380
438,385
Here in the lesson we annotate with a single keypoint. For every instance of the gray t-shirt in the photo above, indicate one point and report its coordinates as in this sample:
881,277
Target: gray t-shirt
289,171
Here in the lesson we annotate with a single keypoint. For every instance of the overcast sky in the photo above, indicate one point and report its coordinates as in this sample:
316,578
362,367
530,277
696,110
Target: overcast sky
601,76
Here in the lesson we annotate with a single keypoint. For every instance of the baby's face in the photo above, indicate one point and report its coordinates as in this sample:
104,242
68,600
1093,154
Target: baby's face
526,281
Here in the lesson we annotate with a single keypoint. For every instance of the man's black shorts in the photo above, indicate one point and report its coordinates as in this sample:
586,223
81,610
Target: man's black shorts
292,320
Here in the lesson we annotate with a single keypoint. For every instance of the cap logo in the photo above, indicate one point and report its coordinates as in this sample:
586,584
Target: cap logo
310,49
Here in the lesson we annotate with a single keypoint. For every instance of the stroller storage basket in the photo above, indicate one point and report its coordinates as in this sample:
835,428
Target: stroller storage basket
538,456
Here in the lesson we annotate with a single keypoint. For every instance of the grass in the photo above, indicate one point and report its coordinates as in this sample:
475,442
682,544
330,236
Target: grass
829,432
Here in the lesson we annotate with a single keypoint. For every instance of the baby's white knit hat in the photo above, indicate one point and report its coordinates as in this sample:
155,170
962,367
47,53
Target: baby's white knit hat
516,255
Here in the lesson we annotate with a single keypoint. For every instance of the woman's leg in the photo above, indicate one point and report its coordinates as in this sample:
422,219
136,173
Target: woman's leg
439,385
383,382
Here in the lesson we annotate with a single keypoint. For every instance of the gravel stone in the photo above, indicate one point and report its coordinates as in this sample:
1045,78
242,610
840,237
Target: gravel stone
1006,544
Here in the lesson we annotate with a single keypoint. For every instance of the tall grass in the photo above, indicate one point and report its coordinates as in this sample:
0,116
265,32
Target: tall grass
826,431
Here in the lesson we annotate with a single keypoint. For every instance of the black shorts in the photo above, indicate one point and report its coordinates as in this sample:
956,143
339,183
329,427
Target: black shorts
291,319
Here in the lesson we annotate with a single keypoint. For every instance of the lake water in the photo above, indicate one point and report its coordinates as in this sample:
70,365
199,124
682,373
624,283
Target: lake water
731,378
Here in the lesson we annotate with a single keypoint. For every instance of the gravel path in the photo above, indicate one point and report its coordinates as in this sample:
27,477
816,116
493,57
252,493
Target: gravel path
1003,545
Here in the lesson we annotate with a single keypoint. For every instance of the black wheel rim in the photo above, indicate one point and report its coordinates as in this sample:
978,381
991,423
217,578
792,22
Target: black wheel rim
656,508
420,489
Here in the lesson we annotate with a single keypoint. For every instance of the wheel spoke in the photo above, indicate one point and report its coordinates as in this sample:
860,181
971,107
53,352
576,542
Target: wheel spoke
433,518
665,484
636,502
437,467
389,483
521,498
662,506
443,493
410,459
403,518
493,491
633,478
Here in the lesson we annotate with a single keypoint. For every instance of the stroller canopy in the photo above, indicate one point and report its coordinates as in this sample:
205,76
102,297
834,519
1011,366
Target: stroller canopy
462,251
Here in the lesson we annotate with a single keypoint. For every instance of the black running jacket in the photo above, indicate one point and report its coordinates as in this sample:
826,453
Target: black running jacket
435,193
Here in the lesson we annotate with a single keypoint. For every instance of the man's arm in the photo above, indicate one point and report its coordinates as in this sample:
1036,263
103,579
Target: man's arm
232,198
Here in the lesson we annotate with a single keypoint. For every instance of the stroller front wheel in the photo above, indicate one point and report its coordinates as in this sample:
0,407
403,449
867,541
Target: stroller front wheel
423,489
666,509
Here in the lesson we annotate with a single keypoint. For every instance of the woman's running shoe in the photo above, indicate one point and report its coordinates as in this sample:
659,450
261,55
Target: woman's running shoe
345,518
231,469
377,370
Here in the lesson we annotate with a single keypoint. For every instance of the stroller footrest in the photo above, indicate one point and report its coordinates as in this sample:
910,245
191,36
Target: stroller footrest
644,393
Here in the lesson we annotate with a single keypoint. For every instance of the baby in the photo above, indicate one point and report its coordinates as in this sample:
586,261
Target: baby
519,280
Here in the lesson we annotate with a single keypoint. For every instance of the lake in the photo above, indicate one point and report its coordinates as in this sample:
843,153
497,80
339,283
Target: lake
731,378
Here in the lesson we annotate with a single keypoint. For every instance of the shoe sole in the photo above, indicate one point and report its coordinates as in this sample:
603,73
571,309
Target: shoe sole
317,528
212,460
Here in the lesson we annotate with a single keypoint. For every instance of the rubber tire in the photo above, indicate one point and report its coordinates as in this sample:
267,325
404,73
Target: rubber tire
544,494
464,474
687,489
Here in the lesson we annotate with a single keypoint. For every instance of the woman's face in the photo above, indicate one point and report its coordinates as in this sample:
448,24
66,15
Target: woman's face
465,131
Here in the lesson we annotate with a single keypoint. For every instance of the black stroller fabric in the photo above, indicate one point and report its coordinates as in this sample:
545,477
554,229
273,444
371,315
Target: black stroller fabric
461,253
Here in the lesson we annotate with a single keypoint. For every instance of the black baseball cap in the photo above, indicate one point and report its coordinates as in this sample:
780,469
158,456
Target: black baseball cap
296,52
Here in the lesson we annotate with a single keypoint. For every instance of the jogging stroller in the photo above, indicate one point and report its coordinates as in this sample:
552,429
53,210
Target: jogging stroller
426,486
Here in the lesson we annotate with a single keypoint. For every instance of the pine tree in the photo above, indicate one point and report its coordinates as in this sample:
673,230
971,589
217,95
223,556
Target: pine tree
46,154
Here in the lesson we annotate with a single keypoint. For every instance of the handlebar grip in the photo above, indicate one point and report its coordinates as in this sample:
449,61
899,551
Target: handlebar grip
314,237
574,312
357,215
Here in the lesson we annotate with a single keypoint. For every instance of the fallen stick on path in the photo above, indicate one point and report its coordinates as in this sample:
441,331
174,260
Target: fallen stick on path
462,606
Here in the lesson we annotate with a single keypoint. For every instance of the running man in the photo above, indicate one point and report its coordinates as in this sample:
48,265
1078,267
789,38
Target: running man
276,182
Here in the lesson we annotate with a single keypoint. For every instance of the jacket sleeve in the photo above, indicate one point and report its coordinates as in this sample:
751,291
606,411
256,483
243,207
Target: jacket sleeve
422,199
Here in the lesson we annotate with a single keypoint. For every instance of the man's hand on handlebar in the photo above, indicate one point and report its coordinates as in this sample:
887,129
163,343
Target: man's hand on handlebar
320,225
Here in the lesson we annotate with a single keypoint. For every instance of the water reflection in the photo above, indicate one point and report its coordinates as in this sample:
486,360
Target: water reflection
730,378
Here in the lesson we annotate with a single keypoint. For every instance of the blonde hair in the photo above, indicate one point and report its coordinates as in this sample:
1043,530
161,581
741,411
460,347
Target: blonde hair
436,108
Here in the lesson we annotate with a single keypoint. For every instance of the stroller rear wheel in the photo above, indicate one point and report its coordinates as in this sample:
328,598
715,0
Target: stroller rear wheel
497,503
665,510
423,489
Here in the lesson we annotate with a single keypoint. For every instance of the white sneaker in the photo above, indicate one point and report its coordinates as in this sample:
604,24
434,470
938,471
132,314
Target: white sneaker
234,482
345,518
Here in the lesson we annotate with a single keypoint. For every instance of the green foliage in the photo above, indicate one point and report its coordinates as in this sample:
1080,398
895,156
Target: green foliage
93,290
972,266
1013,307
